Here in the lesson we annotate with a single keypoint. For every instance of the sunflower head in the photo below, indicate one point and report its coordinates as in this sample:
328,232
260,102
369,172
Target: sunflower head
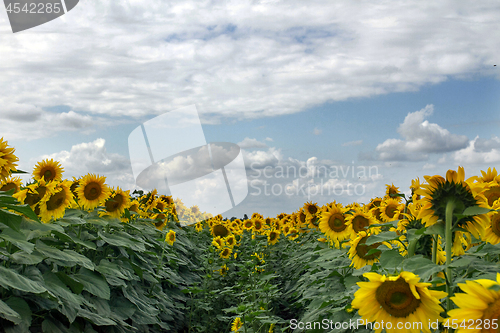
333,223
273,237
220,229
48,170
7,159
53,205
311,208
226,252
117,203
11,183
170,237
92,191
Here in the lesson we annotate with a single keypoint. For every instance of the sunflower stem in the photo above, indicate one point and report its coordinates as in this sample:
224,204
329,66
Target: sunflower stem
450,207
434,252
411,247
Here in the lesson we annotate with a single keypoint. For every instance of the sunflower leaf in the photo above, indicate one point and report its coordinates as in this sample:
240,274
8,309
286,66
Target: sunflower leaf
382,237
437,228
475,210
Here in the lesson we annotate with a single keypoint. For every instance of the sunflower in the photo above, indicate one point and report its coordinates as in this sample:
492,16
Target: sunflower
220,230
11,183
248,224
360,220
400,300
258,225
311,208
230,240
273,237
48,170
53,205
7,160
167,199
170,237
218,242
160,221
34,193
390,209
226,252
392,191
492,193
415,185
480,304
492,233
236,324
439,191
117,203
358,252
489,176
333,223
92,191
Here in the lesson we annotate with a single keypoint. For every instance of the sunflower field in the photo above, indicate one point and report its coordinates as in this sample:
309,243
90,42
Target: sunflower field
81,256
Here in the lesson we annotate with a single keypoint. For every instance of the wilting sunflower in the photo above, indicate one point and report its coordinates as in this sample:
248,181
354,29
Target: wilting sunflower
390,209
48,170
7,160
117,203
360,220
439,191
11,183
333,223
400,300
92,191
226,252
358,252
273,237
53,205
480,305
236,324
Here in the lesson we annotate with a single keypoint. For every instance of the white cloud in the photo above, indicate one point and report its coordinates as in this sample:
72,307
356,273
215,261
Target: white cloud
472,155
248,143
352,143
317,131
244,59
269,139
420,139
428,166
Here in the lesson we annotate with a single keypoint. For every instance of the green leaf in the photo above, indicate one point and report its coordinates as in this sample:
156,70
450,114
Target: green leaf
436,229
22,308
8,313
122,239
109,268
391,260
476,210
95,318
10,219
17,239
64,255
382,237
93,283
75,286
422,267
24,258
11,279
23,209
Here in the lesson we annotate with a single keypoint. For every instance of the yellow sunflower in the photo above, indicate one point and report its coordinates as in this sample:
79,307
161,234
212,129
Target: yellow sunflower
492,193
258,225
7,160
226,252
48,170
248,224
34,193
11,183
439,191
160,220
360,220
358,253
390,209
392,191
170,237
117,203
492,233
311,208
230,240
218,242
236,325
92,191
401,302
273,237
220,229
53,205
333,223
489,176
479,305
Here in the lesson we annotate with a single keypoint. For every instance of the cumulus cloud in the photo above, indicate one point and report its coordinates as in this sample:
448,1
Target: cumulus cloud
317,131
247,59
486,154
249,143
420,138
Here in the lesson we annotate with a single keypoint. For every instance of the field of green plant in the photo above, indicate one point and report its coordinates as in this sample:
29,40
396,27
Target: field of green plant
81,256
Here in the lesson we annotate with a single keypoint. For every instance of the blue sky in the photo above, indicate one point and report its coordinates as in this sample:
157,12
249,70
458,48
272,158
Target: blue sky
410,91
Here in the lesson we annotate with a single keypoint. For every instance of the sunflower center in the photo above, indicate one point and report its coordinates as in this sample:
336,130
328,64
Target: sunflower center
336,222
220,230
272,236
396,298
56,201
492,313
302,217
258,225
312,209
390,210
114,204
33,198
48,175
359,223
362,249
8,187
492,195
92,191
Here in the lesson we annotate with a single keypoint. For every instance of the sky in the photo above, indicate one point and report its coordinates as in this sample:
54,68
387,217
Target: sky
328,101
